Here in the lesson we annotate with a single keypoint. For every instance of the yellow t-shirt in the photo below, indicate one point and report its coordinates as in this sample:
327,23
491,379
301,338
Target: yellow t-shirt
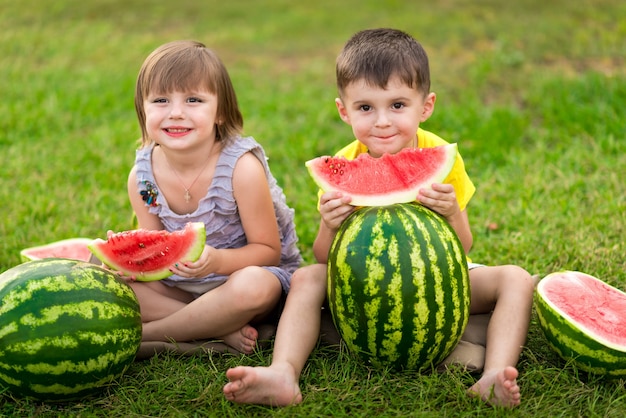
458,178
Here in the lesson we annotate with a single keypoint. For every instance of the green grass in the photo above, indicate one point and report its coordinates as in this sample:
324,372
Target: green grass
532,91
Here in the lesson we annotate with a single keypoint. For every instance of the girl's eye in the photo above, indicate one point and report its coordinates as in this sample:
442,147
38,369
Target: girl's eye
160,100
194,100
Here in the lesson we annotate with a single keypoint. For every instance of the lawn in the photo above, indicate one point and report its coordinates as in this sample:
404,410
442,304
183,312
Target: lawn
533,93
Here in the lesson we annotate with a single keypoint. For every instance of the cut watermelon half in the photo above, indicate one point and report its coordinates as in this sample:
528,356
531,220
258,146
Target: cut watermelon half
72,248
390,179
147,255
584,320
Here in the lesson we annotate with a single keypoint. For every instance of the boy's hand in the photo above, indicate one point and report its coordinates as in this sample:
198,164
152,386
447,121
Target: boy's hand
334,209
441,199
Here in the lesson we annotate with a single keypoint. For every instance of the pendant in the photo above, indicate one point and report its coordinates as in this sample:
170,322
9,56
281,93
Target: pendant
187,196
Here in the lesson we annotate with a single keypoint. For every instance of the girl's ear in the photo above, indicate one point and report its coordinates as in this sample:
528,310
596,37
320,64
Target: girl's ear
429,106
343,114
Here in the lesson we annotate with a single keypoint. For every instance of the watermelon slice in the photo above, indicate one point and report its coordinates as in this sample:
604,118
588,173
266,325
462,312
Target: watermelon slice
148,255
72,248
584,321
386,180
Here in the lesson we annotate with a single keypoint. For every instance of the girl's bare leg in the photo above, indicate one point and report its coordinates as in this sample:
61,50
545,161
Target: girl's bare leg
225,311
297,334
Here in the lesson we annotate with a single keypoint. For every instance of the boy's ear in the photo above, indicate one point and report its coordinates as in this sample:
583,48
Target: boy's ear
429,106
343,114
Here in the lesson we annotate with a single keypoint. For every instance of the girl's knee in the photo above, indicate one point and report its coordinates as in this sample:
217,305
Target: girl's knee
255,285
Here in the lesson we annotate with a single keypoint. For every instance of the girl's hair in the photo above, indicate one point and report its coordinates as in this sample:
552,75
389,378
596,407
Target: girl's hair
376,55
188,66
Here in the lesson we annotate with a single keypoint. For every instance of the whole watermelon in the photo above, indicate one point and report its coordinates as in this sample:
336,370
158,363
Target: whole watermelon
67,329
398,286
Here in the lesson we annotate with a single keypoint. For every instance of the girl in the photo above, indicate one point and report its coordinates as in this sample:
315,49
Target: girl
194,165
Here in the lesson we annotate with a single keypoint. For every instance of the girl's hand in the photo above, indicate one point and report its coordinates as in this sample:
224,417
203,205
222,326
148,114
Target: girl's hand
441,199
334,209
207,263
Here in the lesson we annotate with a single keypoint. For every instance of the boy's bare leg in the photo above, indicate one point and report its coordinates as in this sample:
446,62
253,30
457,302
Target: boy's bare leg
296,336
508,290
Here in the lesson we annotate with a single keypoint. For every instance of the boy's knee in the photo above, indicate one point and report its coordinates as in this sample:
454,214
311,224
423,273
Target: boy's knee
521,279
309,278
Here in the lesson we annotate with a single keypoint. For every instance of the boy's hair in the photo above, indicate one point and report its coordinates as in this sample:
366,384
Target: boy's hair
376,55
188,66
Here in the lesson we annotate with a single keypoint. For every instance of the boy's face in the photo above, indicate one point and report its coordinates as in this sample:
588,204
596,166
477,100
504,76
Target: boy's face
384,120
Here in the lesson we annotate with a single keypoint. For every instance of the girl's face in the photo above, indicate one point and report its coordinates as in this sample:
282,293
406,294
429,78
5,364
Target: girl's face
180,120
384,120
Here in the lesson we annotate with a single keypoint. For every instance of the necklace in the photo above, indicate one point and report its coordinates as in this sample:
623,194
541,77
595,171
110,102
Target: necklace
187,195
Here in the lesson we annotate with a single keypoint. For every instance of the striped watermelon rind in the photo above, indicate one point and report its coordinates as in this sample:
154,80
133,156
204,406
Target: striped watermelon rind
398,287
67,329
587,351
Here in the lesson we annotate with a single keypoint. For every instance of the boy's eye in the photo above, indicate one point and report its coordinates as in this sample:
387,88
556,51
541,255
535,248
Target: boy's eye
397,105
366,108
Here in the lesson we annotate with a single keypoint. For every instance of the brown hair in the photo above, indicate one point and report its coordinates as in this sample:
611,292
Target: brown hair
376,55
185,66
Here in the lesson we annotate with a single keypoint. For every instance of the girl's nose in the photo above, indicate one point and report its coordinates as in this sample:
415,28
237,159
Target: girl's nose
176,111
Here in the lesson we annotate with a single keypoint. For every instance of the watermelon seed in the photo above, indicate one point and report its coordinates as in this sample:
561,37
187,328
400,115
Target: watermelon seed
141,245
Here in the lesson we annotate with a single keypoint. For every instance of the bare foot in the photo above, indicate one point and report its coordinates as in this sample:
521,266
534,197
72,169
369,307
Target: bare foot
498,388
274,385
243,340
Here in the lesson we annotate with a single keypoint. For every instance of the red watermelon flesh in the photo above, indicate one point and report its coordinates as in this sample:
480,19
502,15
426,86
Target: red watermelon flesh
72,248
147,255
390,179
596,307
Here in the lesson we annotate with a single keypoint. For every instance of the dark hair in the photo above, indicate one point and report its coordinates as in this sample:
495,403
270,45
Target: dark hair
376,55
185,66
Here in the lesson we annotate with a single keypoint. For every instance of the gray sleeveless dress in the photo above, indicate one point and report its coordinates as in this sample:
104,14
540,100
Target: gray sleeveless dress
218,210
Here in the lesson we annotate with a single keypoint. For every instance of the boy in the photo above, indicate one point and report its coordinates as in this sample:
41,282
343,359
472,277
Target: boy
384,94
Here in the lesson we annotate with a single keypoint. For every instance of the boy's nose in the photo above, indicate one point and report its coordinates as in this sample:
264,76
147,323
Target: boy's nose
382,119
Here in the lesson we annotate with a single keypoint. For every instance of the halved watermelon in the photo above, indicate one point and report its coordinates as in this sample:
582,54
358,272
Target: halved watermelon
148,255
386,180
72,248
584,321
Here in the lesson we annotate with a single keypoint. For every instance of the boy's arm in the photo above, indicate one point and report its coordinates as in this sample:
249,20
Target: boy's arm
322,243
334,209
442,199
460,224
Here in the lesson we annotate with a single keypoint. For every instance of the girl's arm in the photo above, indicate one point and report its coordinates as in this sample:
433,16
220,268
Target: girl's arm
256,209
145,219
